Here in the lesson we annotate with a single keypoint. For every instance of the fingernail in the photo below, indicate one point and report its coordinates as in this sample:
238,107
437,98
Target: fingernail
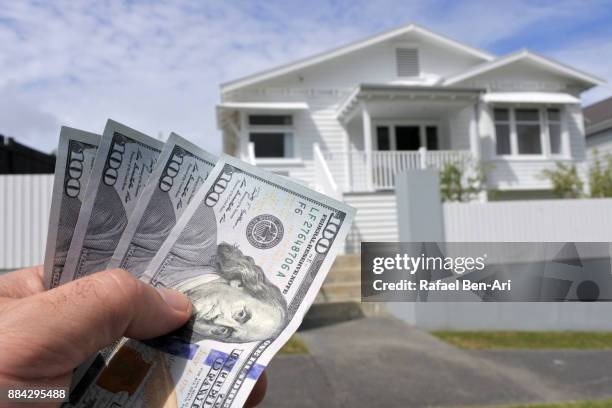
174,299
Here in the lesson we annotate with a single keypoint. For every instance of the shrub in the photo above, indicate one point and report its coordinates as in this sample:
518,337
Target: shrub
600,177
461,181
565,180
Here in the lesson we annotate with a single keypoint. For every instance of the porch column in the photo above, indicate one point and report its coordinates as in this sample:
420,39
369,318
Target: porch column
367,144
243,136
475,140
475,131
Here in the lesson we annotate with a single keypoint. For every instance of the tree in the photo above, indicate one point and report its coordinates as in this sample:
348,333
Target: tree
600,177
461,181
565,180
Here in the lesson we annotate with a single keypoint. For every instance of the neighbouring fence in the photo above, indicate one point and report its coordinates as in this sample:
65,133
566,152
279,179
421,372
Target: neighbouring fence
568,220
25,201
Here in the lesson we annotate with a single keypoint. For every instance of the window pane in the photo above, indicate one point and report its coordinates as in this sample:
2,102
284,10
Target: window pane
270,120
502,134
268,144
382,138
407,137
554,130
431,134
554,115
528,139
527,115
501,114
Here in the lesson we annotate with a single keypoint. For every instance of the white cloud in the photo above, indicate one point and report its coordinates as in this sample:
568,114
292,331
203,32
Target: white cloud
157,65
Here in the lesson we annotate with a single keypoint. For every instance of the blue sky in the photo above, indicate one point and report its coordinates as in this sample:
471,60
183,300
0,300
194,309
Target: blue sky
157,66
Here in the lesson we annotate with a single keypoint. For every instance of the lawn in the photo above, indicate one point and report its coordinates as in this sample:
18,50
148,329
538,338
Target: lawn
295,345
578,404
527,340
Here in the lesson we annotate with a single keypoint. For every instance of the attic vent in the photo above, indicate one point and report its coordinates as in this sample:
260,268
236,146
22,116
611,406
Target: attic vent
407,60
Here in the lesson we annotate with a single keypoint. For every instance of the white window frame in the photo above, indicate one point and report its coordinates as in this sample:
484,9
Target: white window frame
285,129
392,123
565,152
544,133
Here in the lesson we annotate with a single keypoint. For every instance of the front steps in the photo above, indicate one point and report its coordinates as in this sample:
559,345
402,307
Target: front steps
343,282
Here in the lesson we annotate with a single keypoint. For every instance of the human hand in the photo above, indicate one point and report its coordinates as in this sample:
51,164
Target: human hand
46,334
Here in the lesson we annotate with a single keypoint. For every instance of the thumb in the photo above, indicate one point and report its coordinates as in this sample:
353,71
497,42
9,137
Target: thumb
64,326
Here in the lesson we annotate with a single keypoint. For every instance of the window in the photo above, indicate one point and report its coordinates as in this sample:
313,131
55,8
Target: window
431,137
407,62
271,120
407,137
554,131
502,130
395,136
272,135
528,131
383,139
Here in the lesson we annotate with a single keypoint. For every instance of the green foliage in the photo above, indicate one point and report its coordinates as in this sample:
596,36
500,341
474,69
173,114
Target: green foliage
295,345
565,180
527,340
600,177
461,181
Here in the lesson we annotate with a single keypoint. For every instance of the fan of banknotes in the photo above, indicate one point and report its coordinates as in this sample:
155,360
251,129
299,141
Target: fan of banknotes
250,248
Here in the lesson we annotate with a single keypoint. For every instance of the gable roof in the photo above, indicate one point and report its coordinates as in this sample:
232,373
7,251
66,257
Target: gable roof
352,47
526,55
598,116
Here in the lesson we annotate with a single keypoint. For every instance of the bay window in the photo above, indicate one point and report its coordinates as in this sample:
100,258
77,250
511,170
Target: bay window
528,131
272,135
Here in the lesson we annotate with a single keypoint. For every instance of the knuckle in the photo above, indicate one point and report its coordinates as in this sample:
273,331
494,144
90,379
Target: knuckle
124,284
115,288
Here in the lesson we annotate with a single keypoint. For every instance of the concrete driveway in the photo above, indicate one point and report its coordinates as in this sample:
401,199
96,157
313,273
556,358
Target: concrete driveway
382,362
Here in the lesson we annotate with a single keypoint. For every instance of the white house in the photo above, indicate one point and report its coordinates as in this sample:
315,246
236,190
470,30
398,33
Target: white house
347,120
598,123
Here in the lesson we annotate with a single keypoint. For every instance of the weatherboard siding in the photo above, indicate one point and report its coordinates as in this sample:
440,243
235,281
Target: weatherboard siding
376,219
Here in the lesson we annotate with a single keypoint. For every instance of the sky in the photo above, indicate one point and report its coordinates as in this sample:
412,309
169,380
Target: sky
157,65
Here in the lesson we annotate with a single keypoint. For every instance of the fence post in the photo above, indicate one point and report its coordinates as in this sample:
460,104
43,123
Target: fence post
423,157
419,207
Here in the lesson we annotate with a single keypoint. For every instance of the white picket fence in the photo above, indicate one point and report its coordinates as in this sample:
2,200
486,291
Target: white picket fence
25,201
586,220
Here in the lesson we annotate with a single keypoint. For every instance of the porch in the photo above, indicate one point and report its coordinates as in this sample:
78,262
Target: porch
392,128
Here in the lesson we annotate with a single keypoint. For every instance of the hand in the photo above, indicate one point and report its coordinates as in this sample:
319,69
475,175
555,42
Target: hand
46,334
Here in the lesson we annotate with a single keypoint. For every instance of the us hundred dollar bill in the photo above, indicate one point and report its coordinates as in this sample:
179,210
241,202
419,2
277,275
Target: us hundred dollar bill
75,157
251,251
122,166
180,171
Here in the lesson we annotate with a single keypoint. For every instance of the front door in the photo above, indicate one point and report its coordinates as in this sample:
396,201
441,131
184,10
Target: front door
406,137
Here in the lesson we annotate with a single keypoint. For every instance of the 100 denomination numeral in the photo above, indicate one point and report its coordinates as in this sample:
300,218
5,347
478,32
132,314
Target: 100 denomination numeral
113,164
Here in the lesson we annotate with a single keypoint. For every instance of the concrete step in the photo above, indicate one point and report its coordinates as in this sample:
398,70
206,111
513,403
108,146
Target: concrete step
347,261
343,275
345,268
340,292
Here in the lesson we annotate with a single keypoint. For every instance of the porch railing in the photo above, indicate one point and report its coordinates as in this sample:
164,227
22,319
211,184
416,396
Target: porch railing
387,164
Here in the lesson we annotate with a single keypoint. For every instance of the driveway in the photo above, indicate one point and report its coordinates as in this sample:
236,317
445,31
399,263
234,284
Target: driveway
383,362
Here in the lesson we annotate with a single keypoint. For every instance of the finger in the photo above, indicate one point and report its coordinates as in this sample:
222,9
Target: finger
258,392
22,283
69,323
